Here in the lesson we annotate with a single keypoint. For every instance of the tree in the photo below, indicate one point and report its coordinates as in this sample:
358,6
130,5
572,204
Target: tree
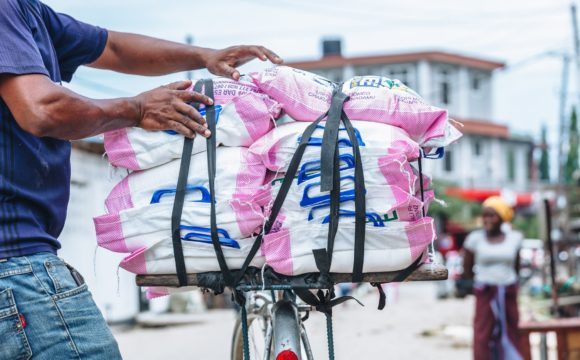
572,159
544,166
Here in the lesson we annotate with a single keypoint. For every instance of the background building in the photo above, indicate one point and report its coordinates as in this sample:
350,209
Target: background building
489,156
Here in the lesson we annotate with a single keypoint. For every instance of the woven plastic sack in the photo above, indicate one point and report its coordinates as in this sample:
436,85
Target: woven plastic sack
199,257
391,247
237,178
305,96
276,148
136,228
240,122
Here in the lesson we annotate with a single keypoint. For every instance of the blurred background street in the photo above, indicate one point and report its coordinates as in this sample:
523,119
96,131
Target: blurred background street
413,325
509,74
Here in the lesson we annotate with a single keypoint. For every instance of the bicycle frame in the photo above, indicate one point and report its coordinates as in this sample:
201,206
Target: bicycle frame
285,329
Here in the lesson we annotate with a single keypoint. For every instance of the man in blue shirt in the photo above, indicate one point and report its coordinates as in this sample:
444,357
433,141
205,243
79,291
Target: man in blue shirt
45,309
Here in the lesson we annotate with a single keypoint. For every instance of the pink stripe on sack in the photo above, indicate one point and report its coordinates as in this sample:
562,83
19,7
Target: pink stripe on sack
277,250
437,129
408,207
248,215
110,233
119,149
420,234
135,262
153,293
120,197
397,171
254,114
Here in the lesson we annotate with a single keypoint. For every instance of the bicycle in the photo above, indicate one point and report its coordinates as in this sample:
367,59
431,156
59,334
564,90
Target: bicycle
274,326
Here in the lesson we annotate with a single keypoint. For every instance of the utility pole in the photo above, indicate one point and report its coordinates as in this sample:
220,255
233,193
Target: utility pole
563,122
564,89
576,37
189,41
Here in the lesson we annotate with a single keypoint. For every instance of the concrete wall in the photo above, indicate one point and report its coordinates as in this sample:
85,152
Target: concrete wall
113,289
489,169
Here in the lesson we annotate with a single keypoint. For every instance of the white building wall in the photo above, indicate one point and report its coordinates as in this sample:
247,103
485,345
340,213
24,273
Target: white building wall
463,94
479,98
113,289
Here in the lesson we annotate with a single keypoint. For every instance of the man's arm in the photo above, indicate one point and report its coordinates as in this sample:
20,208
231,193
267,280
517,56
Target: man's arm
44,108
143,55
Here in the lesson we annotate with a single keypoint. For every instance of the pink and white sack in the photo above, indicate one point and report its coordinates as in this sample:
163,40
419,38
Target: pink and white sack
389,246
306,202
240,122
238,178
392,170
143,227
276,148
199,256
306,96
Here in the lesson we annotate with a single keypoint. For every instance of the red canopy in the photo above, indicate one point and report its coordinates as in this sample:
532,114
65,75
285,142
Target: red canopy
522,199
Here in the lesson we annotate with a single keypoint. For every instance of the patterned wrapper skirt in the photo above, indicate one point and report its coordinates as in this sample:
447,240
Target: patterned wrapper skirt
496,323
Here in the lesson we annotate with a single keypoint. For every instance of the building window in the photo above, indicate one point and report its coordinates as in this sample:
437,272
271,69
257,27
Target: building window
475,83
400,74
448,161
477,147
444,88
511,165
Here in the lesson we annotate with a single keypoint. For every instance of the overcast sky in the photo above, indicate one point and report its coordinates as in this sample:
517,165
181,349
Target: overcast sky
512,31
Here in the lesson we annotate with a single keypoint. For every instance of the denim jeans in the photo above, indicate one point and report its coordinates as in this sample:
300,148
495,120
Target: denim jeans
46,314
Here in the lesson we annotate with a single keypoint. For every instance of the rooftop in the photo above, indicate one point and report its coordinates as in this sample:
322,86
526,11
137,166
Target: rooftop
334,61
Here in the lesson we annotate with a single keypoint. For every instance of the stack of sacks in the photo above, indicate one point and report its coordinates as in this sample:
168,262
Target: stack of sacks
243,115
306,96
384,114
139,208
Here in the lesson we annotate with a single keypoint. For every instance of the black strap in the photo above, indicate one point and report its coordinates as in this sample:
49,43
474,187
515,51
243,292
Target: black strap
282,193
360,203
419,162
323,301
382,295
178,203
323,257
329,139
210,118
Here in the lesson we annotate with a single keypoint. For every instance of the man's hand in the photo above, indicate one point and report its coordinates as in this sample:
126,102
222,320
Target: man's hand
224,62
167,108
143,55
46,109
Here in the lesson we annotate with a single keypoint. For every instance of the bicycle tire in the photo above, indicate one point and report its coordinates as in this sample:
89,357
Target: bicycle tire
237,347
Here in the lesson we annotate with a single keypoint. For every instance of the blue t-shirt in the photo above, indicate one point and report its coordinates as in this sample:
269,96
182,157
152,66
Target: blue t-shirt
35,172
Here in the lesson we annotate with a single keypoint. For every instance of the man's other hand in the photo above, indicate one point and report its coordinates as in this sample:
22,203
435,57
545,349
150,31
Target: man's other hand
167,108
224,62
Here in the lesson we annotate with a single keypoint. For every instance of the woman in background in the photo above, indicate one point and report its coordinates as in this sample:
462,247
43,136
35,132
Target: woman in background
491,260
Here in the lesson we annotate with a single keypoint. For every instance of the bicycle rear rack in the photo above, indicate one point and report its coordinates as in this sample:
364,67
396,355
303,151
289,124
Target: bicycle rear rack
254,279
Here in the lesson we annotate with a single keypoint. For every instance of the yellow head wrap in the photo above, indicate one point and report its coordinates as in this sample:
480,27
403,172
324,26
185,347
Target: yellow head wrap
503,209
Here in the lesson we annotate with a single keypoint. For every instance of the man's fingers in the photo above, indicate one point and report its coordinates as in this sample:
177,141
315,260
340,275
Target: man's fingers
192,96
227,70
179,85
193,119
258,52
182,129
272,56
264,54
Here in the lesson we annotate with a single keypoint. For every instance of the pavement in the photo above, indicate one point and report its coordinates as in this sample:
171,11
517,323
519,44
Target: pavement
414,325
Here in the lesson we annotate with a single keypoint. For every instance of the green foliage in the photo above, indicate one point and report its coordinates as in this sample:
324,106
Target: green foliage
572,159
544,166
456,209
528,225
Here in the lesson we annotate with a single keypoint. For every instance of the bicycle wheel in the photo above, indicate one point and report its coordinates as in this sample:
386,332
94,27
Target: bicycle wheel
257,326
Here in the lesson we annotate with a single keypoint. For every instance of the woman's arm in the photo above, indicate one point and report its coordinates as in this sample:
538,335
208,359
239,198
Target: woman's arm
468,261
